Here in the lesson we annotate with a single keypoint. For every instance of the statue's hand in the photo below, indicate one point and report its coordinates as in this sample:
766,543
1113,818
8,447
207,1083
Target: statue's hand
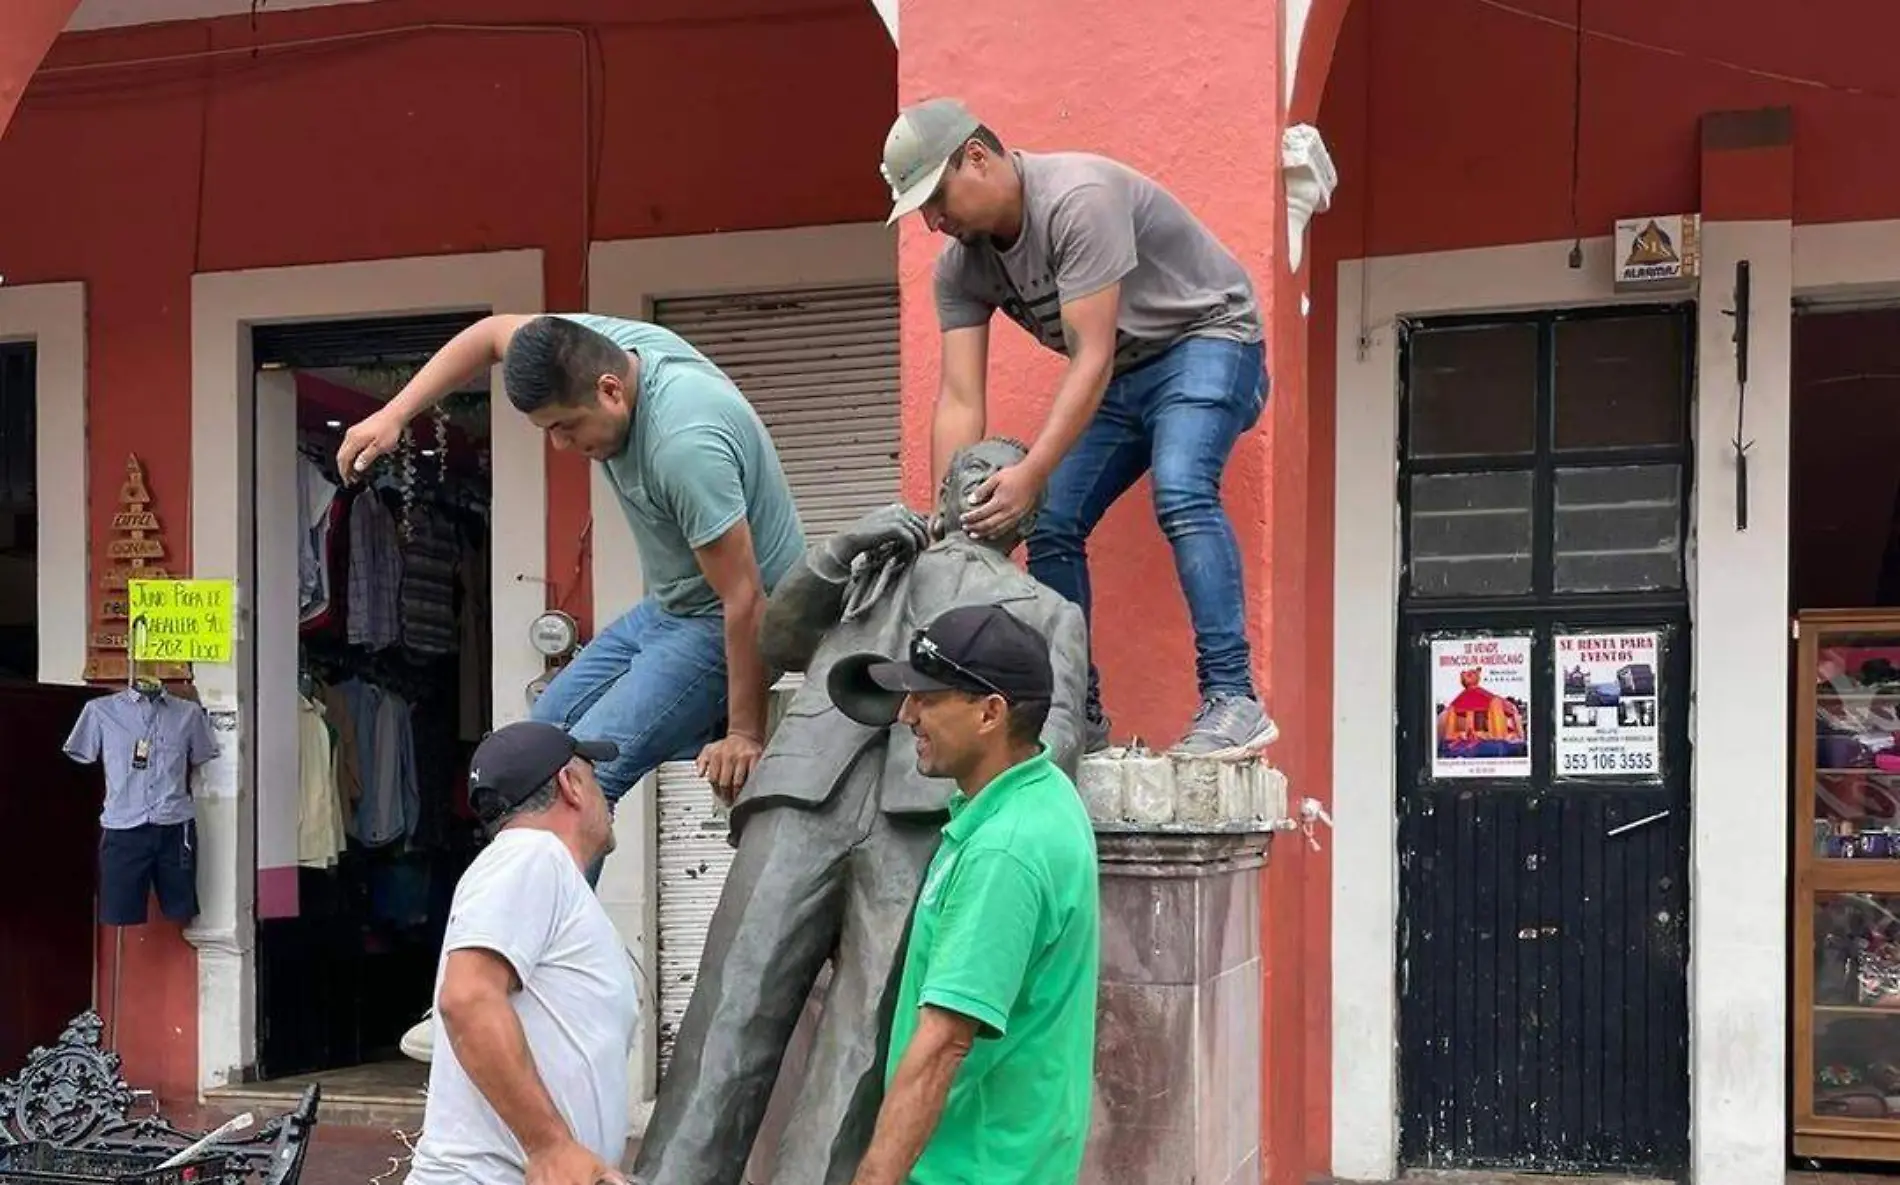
893,528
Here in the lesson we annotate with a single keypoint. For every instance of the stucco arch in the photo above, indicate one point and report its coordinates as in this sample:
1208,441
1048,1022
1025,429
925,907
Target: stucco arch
1309,53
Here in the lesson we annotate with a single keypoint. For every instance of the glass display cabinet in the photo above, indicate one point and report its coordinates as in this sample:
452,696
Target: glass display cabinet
1847,885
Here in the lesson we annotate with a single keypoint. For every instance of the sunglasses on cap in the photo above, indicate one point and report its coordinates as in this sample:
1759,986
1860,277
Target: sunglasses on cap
929,659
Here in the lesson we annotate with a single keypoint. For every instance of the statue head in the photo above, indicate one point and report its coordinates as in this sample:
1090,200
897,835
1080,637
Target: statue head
970,468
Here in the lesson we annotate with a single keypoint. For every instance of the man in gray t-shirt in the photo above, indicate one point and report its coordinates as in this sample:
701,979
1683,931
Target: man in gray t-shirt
1166,369
535,993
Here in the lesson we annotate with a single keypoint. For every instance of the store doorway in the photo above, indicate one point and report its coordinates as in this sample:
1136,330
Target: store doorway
373,686
48,885
19,515
1543,756
1844,557
1844,442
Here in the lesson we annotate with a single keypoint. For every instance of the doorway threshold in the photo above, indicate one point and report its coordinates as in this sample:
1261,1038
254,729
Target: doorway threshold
377,1094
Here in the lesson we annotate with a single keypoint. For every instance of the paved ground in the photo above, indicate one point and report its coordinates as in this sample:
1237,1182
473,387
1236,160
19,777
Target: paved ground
378,1154
1868,1176
364,1156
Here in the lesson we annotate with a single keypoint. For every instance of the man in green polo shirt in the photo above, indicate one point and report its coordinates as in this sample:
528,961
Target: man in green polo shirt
993,1045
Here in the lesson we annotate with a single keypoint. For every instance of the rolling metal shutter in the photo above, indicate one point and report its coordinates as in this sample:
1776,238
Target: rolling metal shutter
387,340
820,367
694,857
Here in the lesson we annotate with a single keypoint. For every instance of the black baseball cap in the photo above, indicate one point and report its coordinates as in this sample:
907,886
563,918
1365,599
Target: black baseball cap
980,649
517,759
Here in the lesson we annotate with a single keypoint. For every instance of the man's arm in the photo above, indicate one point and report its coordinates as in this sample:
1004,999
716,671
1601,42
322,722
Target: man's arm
1088,325
1092,244
914,1102
499,928
492,1048
466,355
986,938
961,412
698,478
963,317
733,572
1088,328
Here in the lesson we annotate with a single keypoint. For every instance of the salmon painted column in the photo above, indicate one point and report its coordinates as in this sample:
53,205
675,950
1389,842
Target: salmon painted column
1192,97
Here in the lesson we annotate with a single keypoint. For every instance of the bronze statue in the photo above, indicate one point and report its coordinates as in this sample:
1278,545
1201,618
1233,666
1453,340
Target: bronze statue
834,831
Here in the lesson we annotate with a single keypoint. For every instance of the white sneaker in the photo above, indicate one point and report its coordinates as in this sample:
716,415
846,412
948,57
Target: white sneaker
419,1041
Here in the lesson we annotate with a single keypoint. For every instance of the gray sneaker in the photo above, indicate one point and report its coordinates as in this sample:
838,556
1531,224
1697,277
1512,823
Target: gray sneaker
1228,726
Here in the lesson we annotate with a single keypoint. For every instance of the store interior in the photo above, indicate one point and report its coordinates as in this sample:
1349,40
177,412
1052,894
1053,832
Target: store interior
1844,540
19,516
394,677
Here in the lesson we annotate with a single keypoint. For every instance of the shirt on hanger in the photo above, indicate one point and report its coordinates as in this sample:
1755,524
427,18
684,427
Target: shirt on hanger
391,801
375,591
315,494
320,806
148,747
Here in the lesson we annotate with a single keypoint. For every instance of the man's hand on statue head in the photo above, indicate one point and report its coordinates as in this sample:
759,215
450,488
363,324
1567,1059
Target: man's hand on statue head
1001,501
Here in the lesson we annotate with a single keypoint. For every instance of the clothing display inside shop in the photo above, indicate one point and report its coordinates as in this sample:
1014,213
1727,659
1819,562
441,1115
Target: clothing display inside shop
393,672
1844,556
148,741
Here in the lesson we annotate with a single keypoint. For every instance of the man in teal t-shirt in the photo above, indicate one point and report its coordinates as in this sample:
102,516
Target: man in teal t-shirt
710,510
992,1049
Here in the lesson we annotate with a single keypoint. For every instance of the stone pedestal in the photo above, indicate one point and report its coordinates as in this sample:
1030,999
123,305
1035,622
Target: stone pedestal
1179,1026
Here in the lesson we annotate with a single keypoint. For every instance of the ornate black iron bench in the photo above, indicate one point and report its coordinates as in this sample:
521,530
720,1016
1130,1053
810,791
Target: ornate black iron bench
71,1094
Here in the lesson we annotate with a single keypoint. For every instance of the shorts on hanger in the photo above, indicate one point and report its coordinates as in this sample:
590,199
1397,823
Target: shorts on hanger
136,861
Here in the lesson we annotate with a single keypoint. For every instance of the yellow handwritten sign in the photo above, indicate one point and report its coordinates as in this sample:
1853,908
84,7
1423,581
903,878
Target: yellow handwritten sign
181,620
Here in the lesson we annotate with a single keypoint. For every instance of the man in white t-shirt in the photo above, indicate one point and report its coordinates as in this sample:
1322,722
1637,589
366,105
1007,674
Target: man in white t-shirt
535,999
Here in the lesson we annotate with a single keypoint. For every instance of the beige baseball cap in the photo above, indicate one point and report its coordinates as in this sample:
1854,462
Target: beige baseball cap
918,150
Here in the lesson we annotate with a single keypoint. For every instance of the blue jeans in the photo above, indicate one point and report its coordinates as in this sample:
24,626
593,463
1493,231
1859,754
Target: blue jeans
1178,416
652,683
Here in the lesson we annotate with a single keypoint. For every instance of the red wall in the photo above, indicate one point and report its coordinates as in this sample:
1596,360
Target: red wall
1451,121
708,115
1032,74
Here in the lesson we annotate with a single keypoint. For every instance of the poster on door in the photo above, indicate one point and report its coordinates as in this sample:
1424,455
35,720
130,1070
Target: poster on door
1481,707
1606,694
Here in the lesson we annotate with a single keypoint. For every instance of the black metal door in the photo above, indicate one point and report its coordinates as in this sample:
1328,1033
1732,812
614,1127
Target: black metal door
1543,751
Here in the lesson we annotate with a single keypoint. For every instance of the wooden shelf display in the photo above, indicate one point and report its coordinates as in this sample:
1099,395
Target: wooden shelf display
135,554
1847,885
